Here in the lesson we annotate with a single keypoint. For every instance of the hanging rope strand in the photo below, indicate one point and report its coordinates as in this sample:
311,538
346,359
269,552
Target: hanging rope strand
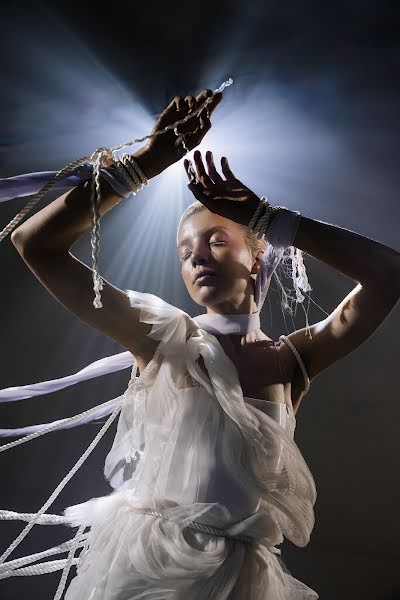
103,157
61,424
77,163
11,565
60,486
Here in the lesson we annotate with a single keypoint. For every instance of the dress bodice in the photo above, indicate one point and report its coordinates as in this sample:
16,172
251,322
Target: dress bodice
187,434
191,447
279,411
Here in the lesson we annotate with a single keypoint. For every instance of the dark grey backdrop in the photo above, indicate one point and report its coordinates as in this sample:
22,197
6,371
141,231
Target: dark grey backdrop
339,64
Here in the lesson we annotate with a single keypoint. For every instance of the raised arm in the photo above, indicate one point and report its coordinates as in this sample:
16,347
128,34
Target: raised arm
45,239
376,269
374,266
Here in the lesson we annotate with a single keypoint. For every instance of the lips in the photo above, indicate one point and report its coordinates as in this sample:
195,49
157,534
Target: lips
203,274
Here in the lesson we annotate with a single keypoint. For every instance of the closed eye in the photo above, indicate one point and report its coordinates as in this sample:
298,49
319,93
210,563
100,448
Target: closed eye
185,256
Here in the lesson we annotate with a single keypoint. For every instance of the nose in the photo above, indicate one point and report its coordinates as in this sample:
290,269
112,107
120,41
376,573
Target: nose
200,254
199,258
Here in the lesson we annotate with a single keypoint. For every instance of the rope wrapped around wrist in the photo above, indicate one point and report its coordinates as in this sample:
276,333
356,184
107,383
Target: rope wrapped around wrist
279,226
263,216
125,176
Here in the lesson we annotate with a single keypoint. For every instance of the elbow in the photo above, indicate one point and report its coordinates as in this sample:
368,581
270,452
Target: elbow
26,244
18,238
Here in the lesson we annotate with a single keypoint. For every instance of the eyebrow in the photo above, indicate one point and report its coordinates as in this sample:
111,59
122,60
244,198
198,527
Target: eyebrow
211,230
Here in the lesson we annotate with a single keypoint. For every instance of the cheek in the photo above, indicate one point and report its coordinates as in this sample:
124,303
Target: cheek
238,261
185,275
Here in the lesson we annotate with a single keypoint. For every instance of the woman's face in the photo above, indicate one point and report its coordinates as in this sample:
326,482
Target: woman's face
209,242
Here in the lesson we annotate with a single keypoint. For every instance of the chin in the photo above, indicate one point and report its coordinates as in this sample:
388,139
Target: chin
210,295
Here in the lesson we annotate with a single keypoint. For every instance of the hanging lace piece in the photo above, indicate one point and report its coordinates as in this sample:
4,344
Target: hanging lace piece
280,236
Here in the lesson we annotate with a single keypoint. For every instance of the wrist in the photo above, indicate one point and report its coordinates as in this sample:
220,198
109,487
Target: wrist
151,164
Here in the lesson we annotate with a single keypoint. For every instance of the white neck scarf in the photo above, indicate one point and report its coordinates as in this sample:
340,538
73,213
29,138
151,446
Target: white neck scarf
223,324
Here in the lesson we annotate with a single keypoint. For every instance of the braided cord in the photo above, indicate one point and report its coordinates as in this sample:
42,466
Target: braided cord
101,157
256,215
40,569
73,165
55,426
200,527
130,165
69,562
299,360
10,515
60,486
135,165
75,542
263,216
95,237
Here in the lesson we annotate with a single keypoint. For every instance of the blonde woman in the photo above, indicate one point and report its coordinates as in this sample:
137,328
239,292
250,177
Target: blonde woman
206,474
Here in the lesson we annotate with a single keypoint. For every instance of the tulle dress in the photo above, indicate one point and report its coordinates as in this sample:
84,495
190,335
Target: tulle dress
190,448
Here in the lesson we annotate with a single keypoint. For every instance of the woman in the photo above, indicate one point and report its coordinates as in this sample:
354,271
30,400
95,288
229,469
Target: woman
207,476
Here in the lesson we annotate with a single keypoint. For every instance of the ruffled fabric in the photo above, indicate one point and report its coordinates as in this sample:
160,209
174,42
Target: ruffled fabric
189,447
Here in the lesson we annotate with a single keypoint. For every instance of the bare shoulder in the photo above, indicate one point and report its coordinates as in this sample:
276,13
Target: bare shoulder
70,282
350,324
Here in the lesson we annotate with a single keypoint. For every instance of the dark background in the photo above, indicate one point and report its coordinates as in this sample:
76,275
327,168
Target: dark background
338,65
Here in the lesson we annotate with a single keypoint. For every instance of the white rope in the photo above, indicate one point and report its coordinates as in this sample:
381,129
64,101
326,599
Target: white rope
10,515
102,156
61,424
60,486
299,360
40,569
24,560
199,526
68,564
33,201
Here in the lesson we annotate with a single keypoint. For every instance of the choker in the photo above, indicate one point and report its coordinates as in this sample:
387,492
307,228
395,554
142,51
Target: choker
225,324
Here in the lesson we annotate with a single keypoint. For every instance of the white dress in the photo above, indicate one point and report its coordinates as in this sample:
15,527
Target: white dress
190,447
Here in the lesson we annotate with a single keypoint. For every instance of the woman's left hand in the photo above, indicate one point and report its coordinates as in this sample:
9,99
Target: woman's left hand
227,197
161,151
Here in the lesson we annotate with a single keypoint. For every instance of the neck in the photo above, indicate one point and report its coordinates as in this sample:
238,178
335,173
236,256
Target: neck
244,307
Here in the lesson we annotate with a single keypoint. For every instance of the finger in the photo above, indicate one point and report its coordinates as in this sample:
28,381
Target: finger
201,171
172,111
190,172
186,165
191,102
214,103
226,169
205,123
203,96
179,103
200,132
212,171
193,139
210,107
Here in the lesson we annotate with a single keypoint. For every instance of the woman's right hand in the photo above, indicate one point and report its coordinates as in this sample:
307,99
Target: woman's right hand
164,150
